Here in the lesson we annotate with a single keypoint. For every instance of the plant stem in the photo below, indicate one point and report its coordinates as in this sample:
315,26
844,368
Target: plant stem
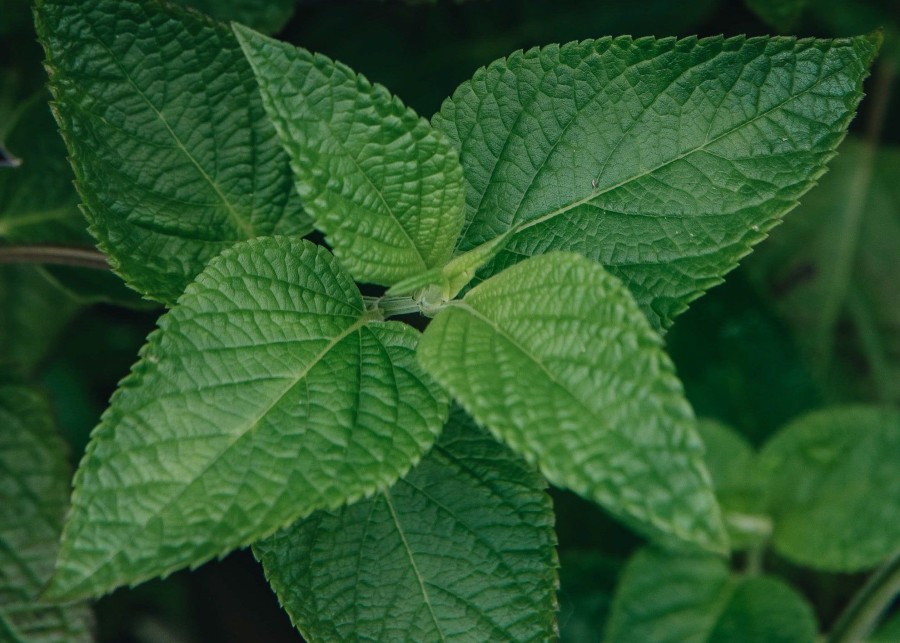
866,608
391,306
60,255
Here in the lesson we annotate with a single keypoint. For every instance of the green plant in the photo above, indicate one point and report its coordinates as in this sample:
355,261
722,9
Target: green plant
557,214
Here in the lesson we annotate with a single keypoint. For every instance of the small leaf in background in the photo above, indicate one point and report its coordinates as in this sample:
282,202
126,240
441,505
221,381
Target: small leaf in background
833,488
587,582
781,14
554,356
666,598
889,632
664,160
384,187
34,489
173,154
461,548
738,482
831,271
268,16
39,206
268,392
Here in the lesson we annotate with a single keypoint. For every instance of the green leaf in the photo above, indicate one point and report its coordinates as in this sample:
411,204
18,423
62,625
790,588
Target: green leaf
831,272
34,486
268,392
384,187
33,314
587,583
834,489
888,632
462,548
556,359
695,599
173,155
39,206
738,482
665,160
781,14
268,16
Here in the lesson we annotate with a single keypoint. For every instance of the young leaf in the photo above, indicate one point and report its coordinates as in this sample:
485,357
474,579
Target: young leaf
34,484
267,16
173,155
384,187
834,489
462,548
695,599
832,269
268,392
738,482
556,359
665,160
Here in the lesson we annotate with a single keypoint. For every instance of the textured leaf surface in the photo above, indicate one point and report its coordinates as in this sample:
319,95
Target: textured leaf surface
173,155
831,271
556,359
34,488
834,488
384,187
462,548
665,160
268,392
265,15
695,599
739,484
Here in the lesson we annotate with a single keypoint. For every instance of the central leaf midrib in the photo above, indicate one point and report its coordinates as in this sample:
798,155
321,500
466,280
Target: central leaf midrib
243,224
524,225
363,319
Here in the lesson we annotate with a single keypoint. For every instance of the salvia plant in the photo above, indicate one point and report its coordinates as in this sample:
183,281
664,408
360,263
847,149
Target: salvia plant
545,228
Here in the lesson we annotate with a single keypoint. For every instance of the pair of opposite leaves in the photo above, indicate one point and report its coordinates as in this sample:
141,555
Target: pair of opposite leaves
270,391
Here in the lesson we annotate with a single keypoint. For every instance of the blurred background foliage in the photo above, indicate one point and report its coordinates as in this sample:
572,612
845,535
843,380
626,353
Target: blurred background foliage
811,319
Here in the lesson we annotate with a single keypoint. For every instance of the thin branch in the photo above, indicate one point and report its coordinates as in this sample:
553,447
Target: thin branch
869,604
60,255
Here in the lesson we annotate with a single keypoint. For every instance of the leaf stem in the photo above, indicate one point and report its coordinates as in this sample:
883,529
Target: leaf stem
392,306
81,257
866,608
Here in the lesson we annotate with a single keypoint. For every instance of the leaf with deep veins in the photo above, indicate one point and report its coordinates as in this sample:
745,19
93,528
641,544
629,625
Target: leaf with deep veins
555,358
268,392
664,160
461,548
384,187
173,155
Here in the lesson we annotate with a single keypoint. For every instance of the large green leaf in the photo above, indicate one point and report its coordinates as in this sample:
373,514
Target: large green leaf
695,599
462,548
266,15
554,357
173,155
665,160
384,187
34,487
268,392
832,269
834,489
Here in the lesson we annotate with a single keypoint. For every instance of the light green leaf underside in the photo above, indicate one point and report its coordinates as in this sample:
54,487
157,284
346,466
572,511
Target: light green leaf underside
173,155
462,548
267,392
384,187
34,484
268,16
665,160
554,357
834,488
832,270
695,599
738,482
